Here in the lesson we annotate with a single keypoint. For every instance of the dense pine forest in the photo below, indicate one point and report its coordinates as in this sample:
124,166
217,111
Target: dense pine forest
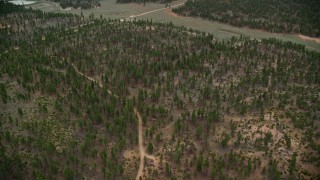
279,16
73,90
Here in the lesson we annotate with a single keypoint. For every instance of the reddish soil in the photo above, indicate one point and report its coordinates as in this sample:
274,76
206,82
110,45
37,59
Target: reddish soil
307,38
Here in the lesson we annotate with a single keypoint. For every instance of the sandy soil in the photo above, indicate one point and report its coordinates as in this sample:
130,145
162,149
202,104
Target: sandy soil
169,11
141,148
172,13
307,38
129,154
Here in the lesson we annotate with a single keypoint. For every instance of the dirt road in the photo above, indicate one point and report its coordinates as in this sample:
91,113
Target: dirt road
141,148
148,12
140,127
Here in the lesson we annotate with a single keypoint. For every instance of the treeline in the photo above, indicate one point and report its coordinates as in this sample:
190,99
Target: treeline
284,16
7,7
83,4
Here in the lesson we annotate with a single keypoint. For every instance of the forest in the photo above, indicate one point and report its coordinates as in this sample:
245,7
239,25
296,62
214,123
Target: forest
83,4
278,16
73,91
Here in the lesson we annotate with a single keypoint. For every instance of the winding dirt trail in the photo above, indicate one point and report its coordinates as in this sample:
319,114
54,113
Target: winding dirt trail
140,127
93,80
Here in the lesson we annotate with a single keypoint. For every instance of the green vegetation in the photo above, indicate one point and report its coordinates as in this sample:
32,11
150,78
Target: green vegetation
225,140
293,162
150,148
83,4
280,16
10,166
70,87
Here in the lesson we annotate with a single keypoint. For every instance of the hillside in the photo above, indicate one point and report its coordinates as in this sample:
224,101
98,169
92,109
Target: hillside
279,16
105,99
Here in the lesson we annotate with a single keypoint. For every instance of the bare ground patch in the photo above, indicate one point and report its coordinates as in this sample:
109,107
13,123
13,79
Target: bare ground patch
307,38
